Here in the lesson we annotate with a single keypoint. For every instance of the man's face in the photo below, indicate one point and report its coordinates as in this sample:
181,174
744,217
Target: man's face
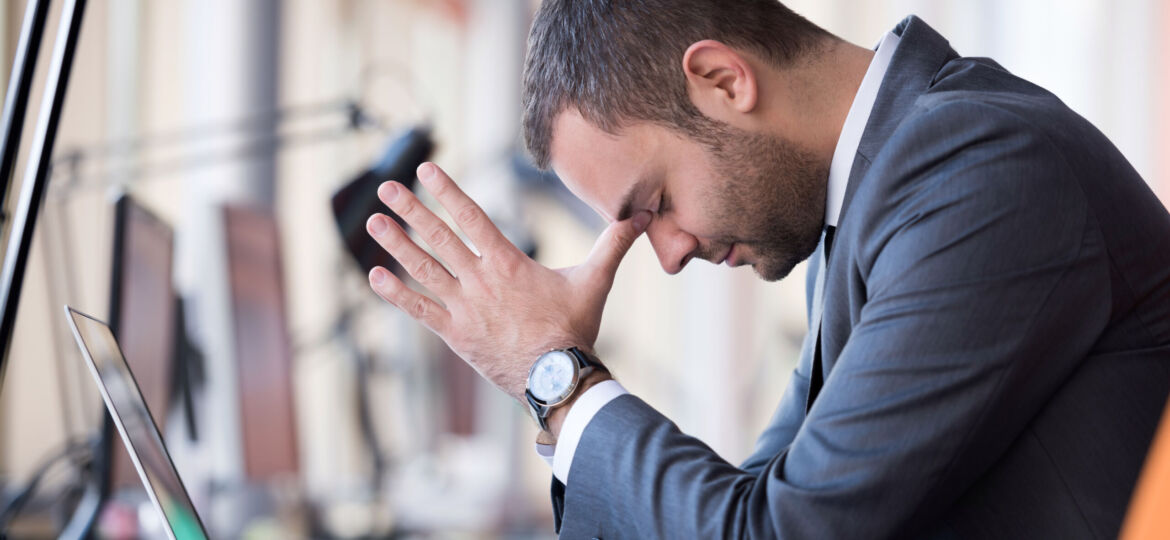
737,198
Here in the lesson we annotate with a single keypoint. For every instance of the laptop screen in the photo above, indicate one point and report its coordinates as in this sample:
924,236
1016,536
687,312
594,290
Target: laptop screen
134,422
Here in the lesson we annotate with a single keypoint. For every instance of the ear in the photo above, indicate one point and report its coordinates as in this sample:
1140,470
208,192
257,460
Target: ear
720,80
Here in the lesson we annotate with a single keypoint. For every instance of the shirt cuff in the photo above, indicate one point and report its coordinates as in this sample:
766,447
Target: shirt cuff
546,452
582,411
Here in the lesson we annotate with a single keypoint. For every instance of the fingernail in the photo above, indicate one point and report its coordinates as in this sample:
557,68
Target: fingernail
378,276
389,192
378,226
426,171
641,220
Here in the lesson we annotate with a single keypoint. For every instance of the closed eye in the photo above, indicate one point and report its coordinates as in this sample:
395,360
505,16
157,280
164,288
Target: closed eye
663,204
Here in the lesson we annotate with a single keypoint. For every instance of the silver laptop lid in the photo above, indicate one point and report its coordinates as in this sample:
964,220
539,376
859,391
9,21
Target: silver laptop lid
141,435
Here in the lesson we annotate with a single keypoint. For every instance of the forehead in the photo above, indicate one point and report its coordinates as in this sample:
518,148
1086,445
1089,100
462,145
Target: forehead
601,168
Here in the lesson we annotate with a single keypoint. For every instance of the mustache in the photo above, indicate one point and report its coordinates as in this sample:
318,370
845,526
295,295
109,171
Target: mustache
712,252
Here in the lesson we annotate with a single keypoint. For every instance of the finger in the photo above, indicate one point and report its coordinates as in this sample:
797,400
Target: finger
433,230
467,214
613,245
419,307
421,266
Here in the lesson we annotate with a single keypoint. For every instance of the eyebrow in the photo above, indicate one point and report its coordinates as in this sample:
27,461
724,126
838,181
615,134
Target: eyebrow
627,208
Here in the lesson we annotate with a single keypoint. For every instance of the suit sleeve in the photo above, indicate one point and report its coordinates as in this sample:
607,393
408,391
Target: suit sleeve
983,290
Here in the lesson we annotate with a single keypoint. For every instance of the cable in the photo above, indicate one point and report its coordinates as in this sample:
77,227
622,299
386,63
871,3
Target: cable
74,450
264,121
257,147
256,142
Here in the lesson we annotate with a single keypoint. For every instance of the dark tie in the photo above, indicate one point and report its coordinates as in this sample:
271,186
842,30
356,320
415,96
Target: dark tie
817,378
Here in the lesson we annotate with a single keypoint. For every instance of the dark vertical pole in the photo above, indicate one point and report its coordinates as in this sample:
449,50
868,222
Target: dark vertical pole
36,176
24,65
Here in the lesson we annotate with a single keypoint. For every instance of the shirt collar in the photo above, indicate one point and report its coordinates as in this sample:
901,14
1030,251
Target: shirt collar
855,122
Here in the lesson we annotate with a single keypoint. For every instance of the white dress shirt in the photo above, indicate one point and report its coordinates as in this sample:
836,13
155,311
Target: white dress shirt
560,456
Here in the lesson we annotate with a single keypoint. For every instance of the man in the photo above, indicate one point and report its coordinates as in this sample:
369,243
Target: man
989,292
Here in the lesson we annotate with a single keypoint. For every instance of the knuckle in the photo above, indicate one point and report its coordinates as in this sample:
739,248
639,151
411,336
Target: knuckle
441,190
510,264
467,215
391,290
388,293
424,271
419,308
439,237
394,240
627,242
623,240
407,207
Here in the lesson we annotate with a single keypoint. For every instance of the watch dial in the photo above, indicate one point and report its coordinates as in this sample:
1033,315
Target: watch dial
552,376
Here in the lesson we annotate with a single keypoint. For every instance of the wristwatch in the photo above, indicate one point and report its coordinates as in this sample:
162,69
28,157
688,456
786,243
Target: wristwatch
554,378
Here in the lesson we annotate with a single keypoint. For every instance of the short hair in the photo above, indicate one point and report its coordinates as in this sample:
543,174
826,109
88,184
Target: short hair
618,61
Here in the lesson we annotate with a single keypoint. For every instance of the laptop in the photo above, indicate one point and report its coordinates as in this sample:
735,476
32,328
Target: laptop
143,441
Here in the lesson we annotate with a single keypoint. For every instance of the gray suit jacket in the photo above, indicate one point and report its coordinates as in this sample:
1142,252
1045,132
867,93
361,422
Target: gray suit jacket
995,341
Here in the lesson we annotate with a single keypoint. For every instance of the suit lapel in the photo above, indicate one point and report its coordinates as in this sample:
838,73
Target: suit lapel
921,54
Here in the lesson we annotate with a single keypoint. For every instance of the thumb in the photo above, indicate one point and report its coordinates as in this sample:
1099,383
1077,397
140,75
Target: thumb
612,246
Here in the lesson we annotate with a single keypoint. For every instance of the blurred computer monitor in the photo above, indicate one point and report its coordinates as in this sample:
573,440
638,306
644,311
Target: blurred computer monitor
263,352
142,314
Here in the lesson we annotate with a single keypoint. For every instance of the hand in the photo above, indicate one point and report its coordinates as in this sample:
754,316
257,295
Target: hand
499,310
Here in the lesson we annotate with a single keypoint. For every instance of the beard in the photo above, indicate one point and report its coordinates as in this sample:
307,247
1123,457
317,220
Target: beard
772,198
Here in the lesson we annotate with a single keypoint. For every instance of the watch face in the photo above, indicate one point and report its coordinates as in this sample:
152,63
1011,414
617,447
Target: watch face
552,376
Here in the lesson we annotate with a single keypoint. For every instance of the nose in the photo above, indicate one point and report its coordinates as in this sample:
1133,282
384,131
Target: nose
673,246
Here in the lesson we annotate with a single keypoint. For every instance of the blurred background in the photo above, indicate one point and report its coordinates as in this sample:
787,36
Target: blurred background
214,167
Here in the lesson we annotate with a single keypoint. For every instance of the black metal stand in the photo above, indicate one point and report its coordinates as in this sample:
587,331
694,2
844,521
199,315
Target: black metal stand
24,65
37,175
35,183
